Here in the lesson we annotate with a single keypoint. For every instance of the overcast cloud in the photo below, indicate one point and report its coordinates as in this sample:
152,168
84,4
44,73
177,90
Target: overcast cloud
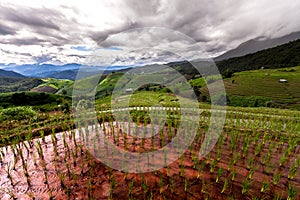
71,31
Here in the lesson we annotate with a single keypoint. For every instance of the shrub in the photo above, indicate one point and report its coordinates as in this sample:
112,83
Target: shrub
18,113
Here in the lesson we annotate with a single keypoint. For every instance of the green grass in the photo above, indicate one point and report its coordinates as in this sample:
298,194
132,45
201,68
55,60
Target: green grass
264,84
56,83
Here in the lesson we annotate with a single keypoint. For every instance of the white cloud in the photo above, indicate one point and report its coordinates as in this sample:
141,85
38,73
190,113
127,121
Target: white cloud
34,31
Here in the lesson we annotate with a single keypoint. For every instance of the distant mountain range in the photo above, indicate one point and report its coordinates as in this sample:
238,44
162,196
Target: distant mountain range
258,44
67,71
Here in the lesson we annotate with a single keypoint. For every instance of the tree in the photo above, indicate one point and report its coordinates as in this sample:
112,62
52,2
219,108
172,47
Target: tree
227,73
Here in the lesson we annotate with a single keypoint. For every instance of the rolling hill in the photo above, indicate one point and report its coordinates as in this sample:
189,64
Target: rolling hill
11,84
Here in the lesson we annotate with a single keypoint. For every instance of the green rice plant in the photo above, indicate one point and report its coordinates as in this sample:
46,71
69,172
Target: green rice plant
181,166
172,185
39,149
268,168
112,186
195,161
256,137
258,149
250,175
90,189
230,163
186,184
276,177
219,153
8,171
225,186
219,174
265,186
131,183
212,166
233,174
61,177
283,158
246,184
249,163
42,134
233,142
235,158
200,168
294,169
28,137
144,183
291,193
278,197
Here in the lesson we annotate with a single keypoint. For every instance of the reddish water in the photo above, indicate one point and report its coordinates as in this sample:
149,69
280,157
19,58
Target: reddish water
84,176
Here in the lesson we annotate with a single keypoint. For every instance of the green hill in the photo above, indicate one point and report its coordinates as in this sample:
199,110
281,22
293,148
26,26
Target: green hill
262,88
286,55
50,85
10,84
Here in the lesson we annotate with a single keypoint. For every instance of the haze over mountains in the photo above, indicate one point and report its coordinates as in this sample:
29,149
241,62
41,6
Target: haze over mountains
70,71
67,71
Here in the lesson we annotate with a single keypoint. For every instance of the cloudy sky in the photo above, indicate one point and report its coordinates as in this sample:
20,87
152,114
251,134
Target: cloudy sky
61,32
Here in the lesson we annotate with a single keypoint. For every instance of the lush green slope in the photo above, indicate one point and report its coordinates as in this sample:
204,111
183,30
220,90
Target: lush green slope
286,55
262,88
10,84
40,101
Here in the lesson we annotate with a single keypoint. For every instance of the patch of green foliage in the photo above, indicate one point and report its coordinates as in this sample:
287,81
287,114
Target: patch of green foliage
18,113
10,84
251,101
40,101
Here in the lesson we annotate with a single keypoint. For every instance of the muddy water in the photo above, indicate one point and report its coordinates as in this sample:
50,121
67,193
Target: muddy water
36,186
84,176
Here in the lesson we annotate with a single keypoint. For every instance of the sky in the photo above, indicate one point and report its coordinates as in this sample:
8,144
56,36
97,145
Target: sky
136,32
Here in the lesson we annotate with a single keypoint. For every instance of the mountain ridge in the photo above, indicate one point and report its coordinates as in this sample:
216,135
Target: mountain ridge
5,73
257,44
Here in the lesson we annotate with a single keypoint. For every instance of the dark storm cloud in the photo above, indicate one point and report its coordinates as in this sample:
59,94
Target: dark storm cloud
5,30
223,24
23,41
216,26
49,25
101,36
33,17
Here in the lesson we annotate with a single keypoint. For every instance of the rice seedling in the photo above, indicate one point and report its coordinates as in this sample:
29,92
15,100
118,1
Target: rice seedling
265,186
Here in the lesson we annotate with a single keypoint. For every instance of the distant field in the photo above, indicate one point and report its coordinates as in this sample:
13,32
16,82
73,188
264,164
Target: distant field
264,85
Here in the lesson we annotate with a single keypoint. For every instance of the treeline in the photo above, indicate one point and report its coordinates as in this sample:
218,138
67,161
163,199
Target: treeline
40,101
10,84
